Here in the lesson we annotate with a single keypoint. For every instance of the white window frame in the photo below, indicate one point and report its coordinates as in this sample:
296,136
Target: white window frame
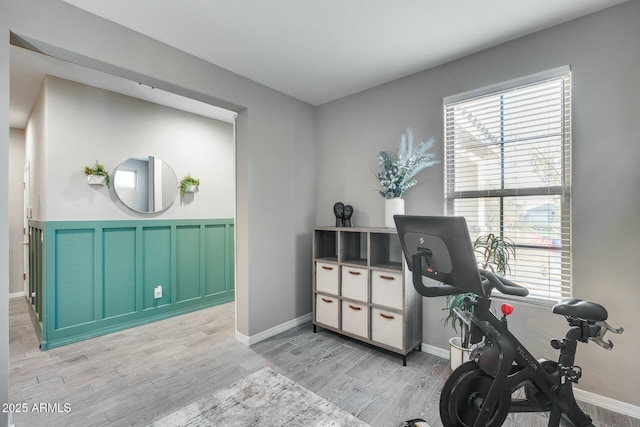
124,178
563,190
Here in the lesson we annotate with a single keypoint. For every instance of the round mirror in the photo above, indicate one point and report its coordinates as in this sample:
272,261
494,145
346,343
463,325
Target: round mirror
145,184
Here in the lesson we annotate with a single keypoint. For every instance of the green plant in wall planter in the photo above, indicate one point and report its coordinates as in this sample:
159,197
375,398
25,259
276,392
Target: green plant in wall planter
493,253
97,175
189,184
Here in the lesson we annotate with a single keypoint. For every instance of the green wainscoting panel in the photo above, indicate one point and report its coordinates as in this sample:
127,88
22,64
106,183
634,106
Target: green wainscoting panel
188,263
231,264
36,277
156,265
36,263
75,273
118,271
90,278
215,263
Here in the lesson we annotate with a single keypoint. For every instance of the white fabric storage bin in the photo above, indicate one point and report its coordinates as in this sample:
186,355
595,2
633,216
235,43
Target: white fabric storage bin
327,309
355,318
355,283
386,327
327,277
386,289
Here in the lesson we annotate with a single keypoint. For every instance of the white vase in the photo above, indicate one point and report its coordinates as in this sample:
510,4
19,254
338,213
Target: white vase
392,207
457,354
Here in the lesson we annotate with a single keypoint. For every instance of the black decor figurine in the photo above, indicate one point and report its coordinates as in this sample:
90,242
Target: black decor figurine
338,210
346,217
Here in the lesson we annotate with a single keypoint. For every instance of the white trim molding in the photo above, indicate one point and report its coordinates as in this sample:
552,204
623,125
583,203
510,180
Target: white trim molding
16,295
509,84
436,351
607,403
581,395
261,336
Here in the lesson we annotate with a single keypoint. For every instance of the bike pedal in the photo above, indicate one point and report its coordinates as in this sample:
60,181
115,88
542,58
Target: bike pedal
573,373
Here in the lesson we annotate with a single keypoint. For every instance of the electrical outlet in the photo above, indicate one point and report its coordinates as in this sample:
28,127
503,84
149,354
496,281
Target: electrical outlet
157,292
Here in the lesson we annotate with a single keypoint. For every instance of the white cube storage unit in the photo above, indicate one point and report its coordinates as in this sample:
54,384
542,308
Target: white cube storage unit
362,289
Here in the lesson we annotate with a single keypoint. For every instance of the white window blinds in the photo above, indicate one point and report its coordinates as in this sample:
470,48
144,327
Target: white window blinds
508,172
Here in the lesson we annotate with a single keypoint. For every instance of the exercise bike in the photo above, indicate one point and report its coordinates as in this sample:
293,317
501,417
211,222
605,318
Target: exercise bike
479,393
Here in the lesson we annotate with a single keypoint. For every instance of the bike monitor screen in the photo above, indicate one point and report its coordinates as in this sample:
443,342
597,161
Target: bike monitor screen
445,244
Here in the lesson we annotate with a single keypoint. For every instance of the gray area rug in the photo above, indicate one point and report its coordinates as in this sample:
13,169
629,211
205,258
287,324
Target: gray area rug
262,399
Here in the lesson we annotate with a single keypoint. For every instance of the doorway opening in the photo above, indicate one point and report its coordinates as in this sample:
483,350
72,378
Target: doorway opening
28,66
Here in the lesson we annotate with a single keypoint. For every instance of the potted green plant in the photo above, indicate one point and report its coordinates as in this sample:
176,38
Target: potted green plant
189,184
97,174
492,253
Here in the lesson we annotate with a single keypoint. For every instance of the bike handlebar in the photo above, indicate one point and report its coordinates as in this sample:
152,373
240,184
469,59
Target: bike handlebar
603,327
505,286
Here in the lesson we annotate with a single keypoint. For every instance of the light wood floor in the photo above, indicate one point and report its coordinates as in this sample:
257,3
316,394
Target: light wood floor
136,376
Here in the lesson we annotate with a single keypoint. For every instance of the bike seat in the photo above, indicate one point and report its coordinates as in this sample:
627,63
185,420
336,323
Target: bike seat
574,307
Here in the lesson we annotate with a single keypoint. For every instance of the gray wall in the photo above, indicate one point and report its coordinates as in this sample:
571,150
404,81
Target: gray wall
275,170
602,50
16,221
111,128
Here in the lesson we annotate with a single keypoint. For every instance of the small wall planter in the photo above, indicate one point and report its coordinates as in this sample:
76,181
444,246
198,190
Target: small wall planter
190,188
189,184
97,174
96,179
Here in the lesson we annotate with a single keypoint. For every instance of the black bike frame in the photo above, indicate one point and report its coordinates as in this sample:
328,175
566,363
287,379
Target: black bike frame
440,249
500,365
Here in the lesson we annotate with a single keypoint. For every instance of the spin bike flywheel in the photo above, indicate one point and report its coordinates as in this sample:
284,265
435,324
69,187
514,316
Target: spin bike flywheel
463,395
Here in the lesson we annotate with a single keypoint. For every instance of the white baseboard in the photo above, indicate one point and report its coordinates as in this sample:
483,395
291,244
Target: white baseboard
243,339
581,395
607,403
436,351
261,336
16,295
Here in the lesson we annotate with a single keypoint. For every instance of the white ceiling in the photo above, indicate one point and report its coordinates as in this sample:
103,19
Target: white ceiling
321,50
313,50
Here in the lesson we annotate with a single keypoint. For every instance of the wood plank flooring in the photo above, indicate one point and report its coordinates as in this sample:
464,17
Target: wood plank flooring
135,376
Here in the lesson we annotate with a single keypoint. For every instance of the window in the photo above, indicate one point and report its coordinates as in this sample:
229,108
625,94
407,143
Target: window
125,179
508,172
